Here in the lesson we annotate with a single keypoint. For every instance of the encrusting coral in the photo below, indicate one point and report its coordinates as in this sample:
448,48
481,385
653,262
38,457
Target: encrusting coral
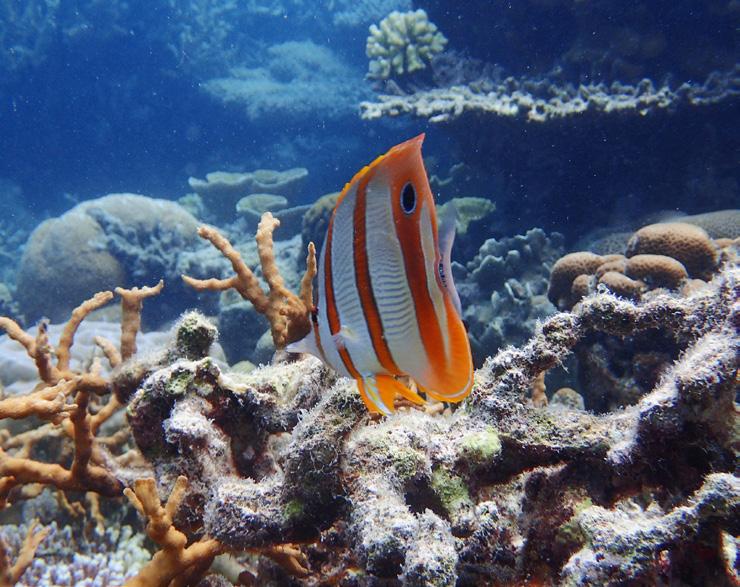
289,315
546,100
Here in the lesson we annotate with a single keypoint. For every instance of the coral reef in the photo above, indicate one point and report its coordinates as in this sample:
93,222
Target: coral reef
544,100
350,13
221,192
284,465
402,43
105,558
663,255
287,313
499,489
666,256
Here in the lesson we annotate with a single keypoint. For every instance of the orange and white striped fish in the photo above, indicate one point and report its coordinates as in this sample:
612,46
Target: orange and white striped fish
387,307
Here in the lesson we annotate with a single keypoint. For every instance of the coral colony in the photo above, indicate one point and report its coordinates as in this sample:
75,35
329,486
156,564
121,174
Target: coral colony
283,469
157,433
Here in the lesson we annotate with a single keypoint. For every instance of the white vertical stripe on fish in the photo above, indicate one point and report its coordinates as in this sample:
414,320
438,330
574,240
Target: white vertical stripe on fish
354,333
330,350
389,282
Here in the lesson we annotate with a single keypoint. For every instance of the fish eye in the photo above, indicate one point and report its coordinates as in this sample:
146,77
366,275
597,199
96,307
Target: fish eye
408,198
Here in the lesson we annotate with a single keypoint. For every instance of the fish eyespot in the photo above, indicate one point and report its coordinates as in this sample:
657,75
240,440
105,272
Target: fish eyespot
408,198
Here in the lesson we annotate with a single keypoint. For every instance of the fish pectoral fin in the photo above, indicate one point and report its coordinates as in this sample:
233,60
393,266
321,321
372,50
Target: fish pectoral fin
306,345
345,335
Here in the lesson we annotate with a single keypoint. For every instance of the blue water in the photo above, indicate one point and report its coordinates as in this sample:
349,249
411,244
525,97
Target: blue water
96,100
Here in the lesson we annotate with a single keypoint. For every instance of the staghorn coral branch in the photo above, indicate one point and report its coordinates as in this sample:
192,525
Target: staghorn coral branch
109,350
131,302
10,575
175,558
245,282
7,484
48,403
287,313
66,340
42,354
14,331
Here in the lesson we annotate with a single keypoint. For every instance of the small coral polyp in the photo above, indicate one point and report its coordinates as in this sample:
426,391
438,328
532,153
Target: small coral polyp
403,42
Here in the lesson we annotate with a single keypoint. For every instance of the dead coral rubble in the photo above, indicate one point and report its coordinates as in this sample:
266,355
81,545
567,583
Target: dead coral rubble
498,491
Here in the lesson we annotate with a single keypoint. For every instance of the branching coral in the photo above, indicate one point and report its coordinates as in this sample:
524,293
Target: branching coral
87,470
403,42
175,559
10,574
287,313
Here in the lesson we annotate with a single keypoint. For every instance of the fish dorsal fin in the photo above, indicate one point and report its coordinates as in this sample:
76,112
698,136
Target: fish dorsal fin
447,222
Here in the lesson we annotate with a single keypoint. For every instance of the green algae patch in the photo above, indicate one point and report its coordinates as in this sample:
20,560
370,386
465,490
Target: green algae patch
570,532
406,462
450,490
482,447
179,382
293,510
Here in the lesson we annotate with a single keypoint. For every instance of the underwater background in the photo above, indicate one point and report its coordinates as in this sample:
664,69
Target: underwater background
591,149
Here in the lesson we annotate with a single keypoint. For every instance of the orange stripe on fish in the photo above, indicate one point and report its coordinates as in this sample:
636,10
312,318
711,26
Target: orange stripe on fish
408,234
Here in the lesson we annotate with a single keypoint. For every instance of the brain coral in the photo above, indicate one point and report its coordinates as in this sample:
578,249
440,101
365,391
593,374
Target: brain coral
403,42
718,224
658,270
686,243
116,240
566,269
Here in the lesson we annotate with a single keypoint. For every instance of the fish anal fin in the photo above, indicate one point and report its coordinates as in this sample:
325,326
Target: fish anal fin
379,393
406,392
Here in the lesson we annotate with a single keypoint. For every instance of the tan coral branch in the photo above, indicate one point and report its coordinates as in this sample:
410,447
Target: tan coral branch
175,558
66,340
289,314
131,303
109,350
48,403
